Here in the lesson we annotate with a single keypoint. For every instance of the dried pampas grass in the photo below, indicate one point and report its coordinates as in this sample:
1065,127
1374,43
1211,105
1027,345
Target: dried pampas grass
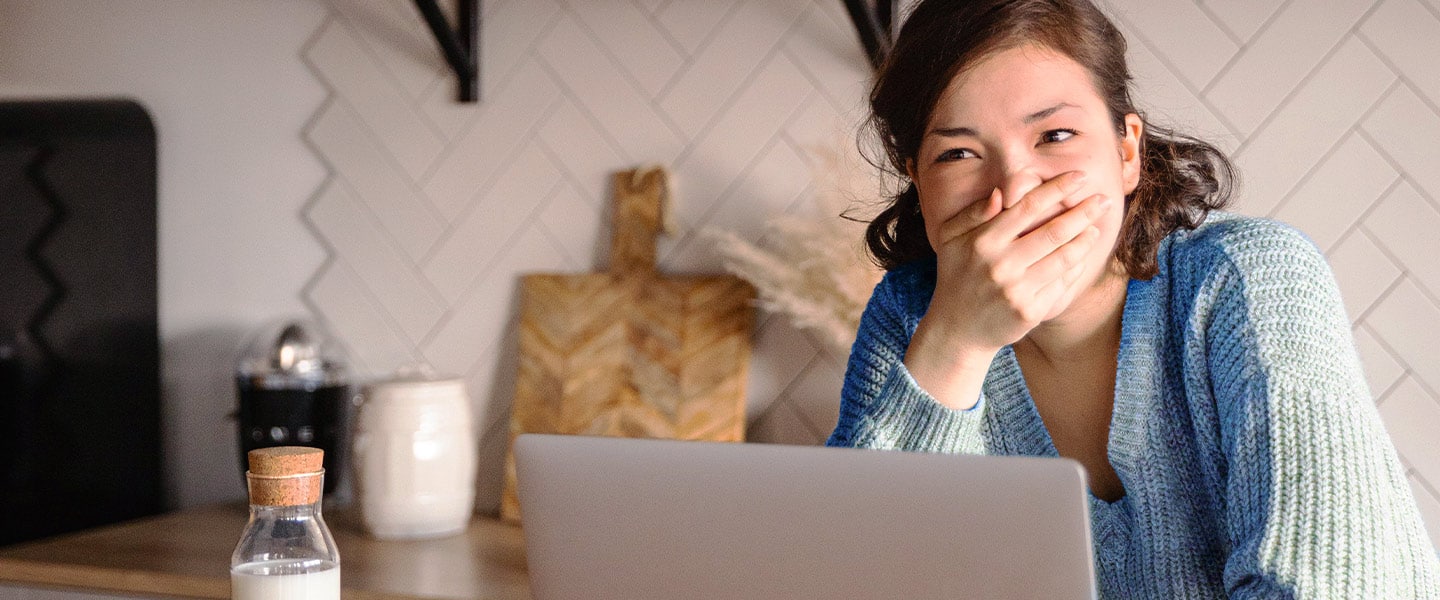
812,268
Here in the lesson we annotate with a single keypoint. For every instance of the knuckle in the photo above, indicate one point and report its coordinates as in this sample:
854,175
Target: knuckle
1031,206
984,246
1012,299
1006,270
997,272
1095,208
1053,235
1030,313
944,233
1072,252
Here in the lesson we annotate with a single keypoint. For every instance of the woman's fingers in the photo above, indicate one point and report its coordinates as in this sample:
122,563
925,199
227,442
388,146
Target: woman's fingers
976,214
1060,230
1062,263
1048,285
1048,295
1007,281
1007,218
1073,274
1017,263
1037,204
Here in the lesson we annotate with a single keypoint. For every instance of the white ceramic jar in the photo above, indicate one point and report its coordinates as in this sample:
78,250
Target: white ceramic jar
415,458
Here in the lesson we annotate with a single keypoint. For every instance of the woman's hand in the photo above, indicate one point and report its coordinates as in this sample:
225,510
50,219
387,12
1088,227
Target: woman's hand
1001,268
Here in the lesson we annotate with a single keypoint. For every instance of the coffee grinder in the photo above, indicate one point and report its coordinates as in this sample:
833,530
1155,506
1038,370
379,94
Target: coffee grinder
294,391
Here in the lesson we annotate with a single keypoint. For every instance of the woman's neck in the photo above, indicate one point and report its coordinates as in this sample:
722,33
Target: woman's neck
1088,330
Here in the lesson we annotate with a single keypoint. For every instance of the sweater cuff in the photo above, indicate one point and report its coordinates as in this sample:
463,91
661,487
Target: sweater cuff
913,420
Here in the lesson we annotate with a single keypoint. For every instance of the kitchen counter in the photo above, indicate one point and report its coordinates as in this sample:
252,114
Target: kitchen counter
186,554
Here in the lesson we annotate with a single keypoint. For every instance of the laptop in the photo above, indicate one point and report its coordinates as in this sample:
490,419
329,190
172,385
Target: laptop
632,519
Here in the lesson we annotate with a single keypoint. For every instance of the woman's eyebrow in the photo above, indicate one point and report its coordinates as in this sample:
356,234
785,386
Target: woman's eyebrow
1041,114
953,132
970,131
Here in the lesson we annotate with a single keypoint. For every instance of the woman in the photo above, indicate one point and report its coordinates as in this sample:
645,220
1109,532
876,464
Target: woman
1059,285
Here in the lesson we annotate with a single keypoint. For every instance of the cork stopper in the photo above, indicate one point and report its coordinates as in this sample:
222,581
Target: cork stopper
286,475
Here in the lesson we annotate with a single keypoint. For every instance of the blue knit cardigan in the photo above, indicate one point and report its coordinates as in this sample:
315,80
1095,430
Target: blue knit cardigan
1254,462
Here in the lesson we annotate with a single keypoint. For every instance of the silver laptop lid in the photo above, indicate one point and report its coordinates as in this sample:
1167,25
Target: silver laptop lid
610,518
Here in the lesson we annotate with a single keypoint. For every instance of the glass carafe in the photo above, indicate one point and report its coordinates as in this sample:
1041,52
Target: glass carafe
286,552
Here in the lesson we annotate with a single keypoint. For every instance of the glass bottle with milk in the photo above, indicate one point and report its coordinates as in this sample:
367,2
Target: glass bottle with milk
286,551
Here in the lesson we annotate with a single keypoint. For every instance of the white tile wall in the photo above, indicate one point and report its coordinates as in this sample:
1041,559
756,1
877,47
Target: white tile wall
1242,18
1325,207
1175,28
1382,371
1407,33
1398,128
1408,412
1407,321
1287,144
1286,51
433,208
1429,500
1363,272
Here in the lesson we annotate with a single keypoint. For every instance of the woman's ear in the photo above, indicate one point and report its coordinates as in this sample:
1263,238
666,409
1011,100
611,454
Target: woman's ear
1130,159
910,169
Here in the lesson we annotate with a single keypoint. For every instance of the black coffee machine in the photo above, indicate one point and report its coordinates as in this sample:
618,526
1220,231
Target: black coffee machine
294,391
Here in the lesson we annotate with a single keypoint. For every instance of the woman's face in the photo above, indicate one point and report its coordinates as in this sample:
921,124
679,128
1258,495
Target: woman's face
1013,120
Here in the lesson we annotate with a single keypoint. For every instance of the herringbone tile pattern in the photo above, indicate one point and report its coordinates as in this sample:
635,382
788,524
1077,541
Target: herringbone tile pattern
1330,108
434,208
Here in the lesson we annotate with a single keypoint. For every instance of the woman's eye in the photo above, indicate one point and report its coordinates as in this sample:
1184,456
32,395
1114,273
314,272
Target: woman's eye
1056,135
954,154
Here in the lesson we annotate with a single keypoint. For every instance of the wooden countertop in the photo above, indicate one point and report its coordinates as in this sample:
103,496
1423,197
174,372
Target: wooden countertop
187,554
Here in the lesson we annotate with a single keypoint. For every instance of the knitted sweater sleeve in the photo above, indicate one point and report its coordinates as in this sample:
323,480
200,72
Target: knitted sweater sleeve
881,406
1316,502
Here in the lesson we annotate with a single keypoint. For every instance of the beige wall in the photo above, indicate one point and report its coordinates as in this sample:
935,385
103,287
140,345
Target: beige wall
228,94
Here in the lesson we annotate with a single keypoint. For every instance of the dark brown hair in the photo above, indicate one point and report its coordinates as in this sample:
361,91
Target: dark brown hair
1181,178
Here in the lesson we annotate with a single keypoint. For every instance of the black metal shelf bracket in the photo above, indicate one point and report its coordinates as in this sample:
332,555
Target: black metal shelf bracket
461,44
874,21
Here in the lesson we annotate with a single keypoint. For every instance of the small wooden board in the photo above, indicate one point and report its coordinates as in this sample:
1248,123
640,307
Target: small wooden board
631,352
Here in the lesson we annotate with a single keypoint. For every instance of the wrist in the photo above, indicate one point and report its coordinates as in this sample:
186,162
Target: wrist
948,349
947,367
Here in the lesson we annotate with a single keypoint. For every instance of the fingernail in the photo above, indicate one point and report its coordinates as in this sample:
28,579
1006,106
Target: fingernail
1078,178
1004,202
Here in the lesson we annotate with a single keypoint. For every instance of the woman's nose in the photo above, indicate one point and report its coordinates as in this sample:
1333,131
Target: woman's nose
1016,184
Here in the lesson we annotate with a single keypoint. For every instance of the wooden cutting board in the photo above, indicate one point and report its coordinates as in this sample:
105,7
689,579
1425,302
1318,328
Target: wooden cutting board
631,352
